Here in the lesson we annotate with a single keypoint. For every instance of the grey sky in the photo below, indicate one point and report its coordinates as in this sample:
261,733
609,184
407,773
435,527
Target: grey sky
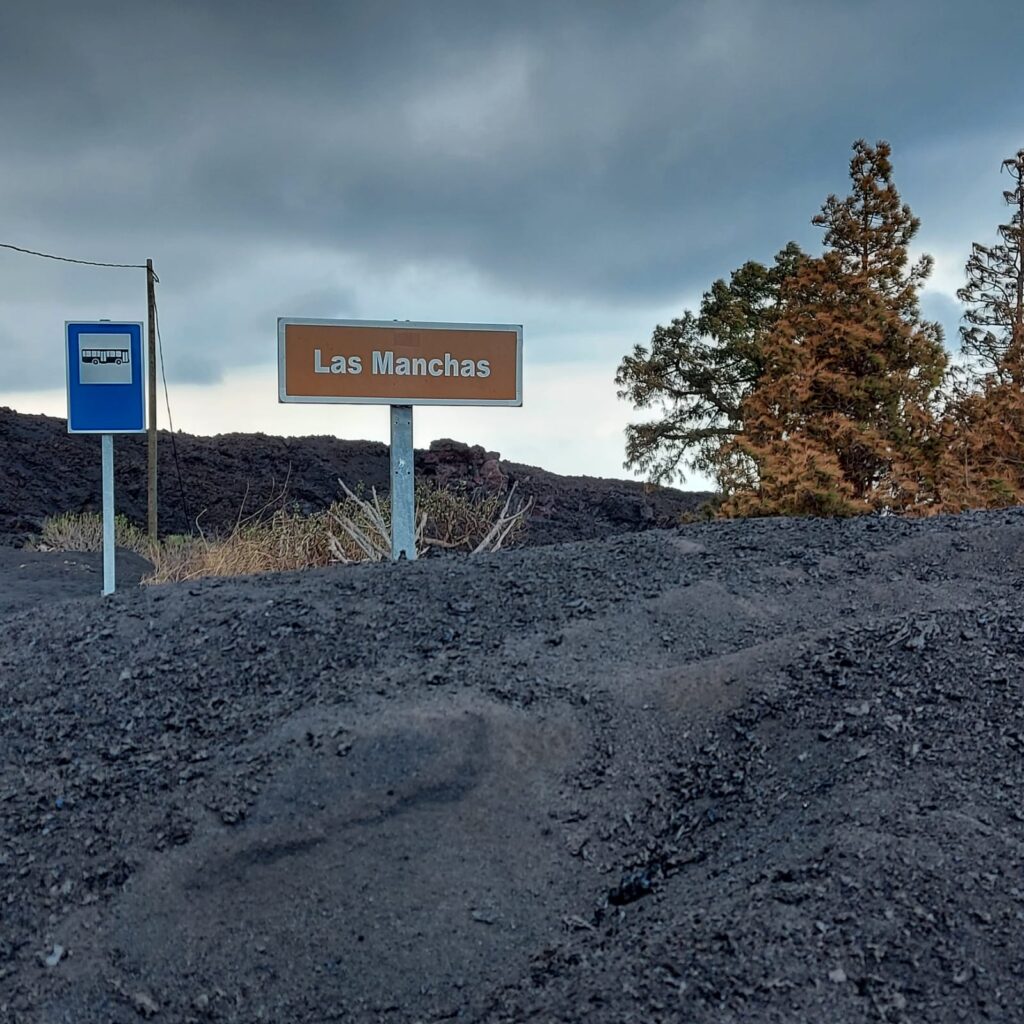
584,168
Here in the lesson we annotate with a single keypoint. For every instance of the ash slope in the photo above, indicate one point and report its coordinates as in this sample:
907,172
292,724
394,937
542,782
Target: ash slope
45,471
764,771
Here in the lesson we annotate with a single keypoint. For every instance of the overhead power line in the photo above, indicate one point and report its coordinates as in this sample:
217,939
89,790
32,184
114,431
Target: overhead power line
68,259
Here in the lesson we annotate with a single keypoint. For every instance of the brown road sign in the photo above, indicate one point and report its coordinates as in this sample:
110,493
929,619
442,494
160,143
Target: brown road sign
382,362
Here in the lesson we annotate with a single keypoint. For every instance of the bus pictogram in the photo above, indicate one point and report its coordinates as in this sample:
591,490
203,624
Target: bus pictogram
117,356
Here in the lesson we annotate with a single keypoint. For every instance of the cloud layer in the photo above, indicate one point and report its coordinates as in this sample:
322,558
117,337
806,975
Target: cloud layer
585,169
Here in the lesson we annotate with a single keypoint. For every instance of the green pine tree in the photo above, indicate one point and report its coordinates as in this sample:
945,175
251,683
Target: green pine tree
697,372
994,294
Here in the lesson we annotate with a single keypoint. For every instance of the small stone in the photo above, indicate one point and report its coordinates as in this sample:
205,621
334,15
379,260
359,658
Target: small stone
232,814
145,1004
837,974
54,957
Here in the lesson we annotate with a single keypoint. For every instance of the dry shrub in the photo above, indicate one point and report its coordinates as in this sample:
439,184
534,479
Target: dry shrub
476,523
355,529
284,541
449,519
83,531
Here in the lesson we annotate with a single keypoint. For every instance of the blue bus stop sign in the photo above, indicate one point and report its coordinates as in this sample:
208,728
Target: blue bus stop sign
106,383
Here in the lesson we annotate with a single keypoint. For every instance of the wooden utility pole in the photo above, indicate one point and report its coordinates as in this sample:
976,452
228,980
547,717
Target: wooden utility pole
151,460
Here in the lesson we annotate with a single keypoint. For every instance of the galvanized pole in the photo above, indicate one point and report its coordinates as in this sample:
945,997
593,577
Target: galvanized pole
151,450
403,497
108,513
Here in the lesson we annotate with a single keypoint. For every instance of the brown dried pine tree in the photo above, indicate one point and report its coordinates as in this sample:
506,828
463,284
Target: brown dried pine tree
841,420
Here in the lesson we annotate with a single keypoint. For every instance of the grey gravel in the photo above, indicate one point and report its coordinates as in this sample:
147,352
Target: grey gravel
746,771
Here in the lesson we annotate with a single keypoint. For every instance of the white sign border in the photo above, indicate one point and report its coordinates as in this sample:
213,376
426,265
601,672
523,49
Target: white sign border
411,325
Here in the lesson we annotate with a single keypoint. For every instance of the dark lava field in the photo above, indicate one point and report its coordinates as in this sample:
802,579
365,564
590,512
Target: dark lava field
761,771
215,481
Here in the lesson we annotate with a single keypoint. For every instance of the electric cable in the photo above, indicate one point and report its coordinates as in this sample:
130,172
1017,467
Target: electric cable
68,259
170,421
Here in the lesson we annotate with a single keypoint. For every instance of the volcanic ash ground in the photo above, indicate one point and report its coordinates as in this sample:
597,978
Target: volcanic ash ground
748,771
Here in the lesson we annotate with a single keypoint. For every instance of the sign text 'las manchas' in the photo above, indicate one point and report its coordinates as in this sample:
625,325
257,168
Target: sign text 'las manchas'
399,362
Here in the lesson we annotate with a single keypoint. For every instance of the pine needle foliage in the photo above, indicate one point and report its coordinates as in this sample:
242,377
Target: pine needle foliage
696,373
870,230
993,337
985,446
841,420
985,417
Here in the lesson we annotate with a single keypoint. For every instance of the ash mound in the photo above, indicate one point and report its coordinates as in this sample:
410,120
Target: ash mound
45,471
765,771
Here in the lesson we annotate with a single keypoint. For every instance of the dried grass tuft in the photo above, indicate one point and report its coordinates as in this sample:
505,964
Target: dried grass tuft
354,529
83,531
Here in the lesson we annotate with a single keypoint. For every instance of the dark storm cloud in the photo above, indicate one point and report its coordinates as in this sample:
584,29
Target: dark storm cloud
619,152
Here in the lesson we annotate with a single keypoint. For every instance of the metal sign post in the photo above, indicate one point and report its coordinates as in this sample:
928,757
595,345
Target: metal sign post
106,396
109,550
403,489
